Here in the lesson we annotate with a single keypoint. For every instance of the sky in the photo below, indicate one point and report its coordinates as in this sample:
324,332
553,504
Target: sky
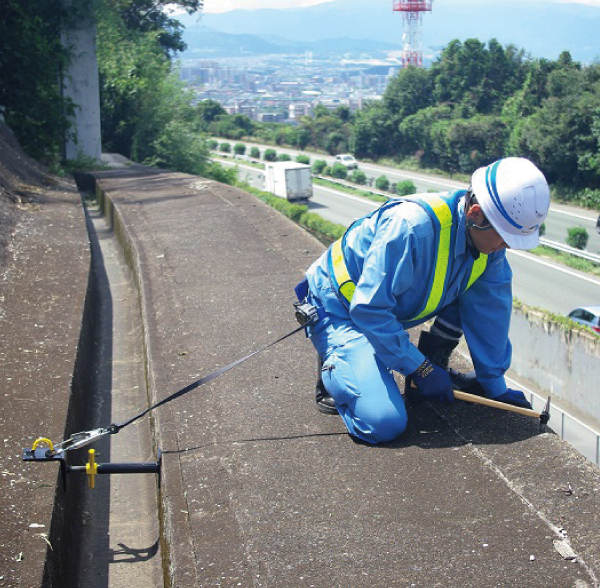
227,5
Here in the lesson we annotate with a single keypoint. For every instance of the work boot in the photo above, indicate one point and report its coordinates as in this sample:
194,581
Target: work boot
324,400
438,349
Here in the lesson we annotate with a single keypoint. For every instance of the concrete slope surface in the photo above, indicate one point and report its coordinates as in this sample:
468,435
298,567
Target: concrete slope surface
259,489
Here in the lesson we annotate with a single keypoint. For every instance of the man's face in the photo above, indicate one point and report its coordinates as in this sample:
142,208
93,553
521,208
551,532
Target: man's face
487,241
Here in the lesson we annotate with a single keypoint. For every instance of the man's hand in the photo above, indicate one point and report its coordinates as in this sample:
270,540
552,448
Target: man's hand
514,397
433,382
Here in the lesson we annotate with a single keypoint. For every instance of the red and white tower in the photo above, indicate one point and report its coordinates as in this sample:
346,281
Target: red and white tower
412,17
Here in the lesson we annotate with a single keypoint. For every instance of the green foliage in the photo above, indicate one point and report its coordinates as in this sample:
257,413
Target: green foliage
542,229
31,59
359,177
179,148
255,152
270,155
577,237
213,144
219,173
284,157
225,147
318,166
405,188
339,171
239,148
303,159
588,197
382,183
326,230
207,112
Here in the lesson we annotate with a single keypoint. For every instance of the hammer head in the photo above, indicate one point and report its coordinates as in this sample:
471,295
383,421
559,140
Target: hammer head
545,416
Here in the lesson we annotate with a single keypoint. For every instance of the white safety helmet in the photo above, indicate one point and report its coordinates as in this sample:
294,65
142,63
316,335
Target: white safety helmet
514,196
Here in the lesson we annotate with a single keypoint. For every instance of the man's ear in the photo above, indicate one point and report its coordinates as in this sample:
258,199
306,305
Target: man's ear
476,214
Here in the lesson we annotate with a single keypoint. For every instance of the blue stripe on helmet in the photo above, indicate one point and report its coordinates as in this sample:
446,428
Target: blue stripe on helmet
490,182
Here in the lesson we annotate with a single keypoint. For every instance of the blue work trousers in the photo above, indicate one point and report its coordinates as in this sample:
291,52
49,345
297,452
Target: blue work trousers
365,391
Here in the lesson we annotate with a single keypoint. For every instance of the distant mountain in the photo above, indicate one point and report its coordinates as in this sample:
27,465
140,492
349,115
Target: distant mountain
541,28
204,42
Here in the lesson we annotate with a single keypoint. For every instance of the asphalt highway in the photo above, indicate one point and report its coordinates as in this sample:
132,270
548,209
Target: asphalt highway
537,282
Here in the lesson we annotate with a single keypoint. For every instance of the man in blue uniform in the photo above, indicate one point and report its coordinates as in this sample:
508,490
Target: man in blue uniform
433,255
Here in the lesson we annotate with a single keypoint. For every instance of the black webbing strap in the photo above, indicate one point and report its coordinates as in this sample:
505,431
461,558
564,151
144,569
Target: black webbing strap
115,428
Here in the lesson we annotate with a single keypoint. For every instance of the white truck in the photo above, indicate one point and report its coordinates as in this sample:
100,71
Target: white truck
289,180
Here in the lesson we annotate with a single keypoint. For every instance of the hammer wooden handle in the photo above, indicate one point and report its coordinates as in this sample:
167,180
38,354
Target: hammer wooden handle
494,403
475,399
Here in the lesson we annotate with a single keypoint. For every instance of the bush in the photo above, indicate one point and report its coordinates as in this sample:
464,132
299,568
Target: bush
303,159
239,149
225,147
299,213
359,177
405,188
255,152
225,175
577,237
284,157
382,183
339,171
542,229
270,155
318,166
213,145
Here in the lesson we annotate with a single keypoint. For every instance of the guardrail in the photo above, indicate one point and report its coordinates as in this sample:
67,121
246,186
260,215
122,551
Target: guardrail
571,250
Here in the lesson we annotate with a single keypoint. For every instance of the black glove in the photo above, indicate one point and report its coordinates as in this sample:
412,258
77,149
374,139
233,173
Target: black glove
514,397
433,382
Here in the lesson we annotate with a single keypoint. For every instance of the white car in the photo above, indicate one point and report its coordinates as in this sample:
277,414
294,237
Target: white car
588,316
347,160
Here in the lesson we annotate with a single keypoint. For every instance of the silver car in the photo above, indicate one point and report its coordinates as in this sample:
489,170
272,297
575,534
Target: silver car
588,316
347,160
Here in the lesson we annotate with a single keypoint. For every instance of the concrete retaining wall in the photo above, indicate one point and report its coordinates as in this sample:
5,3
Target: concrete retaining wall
564,363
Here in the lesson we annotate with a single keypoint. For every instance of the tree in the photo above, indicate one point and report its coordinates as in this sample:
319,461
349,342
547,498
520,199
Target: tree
373,132
208,111
148,16
408,92
31,58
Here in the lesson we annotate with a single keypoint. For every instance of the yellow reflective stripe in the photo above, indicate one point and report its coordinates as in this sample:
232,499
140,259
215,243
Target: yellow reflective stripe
444,214
346,286
477,269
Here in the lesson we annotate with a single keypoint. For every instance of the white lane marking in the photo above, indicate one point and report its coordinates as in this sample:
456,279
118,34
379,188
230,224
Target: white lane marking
350,197
573,214
553,266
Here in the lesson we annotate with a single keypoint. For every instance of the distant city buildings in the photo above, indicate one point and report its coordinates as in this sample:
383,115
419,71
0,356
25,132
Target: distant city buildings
280,88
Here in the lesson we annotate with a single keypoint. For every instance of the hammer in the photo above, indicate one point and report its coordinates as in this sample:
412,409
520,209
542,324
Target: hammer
543,416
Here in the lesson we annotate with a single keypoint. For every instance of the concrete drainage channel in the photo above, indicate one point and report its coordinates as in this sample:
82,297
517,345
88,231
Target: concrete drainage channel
119,526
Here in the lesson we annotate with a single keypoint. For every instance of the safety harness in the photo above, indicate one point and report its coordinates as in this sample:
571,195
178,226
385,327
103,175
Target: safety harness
439,210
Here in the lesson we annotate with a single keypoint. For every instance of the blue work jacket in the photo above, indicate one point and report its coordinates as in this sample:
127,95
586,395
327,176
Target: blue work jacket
390,255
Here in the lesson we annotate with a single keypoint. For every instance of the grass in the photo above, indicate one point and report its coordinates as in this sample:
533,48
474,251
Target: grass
577,263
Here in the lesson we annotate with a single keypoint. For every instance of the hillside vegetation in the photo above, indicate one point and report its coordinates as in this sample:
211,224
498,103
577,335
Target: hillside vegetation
476,103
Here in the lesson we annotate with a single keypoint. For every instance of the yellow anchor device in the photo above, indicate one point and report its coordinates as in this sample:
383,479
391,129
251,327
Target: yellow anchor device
91,468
